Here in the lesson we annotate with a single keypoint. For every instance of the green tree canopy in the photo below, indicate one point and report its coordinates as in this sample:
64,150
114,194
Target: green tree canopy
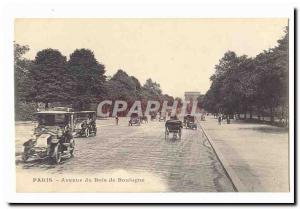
122,86
241,84
51,82
151,90
88,77
23,79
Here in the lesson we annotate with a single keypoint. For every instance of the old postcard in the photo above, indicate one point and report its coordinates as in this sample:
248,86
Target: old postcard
152,105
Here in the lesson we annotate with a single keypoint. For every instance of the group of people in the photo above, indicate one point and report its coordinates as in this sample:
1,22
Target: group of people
223,117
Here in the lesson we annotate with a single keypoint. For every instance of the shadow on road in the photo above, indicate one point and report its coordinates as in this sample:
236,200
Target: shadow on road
267,129
172,140
39,163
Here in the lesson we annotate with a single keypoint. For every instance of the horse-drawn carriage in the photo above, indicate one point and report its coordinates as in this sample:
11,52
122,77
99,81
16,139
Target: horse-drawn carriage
174,127
189,122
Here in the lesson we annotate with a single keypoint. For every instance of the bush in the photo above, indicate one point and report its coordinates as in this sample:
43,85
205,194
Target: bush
24,111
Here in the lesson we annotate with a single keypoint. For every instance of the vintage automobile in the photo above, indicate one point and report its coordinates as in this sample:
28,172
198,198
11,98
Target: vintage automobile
134,120
144,119
85,123
52,137
203,117
153,115
162,117
189,122
173,126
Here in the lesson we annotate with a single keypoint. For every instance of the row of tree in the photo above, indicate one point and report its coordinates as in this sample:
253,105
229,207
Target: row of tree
78,81
258,85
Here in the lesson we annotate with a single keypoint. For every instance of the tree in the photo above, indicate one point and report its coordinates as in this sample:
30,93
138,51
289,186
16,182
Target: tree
122,86
200,101
23,79
23,84
152,91
241,84
168,98
223,95
88,77
51,82
282,62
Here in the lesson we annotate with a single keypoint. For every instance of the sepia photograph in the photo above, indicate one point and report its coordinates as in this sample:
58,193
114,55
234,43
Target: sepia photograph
151,105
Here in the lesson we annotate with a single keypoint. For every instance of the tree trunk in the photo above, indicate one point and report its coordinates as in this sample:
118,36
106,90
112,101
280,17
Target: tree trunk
272,114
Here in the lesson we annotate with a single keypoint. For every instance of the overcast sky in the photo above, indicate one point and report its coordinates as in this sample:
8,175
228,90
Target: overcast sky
180,54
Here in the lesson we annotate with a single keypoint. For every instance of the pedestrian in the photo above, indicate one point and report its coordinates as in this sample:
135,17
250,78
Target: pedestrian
117,120
220,119
228,119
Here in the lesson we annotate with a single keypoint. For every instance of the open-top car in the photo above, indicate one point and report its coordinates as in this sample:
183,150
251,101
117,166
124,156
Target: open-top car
52,137
189,122
134,120
85,123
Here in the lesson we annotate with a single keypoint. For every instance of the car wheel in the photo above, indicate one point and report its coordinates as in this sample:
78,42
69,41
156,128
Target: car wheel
25,155
56,155
72,146
87,132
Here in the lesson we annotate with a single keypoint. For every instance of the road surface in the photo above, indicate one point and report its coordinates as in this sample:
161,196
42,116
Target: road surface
186,165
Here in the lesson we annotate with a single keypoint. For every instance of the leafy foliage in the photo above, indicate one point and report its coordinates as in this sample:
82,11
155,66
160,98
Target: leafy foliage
241,84
23,79
86,76
50,80
23,84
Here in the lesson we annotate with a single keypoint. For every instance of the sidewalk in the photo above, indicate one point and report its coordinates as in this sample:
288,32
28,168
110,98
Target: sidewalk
255,154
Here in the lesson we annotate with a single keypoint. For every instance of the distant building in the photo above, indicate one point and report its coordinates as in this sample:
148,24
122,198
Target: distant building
191,95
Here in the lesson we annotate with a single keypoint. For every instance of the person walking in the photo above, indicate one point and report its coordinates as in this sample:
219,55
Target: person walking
228,119
220,119
117,120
